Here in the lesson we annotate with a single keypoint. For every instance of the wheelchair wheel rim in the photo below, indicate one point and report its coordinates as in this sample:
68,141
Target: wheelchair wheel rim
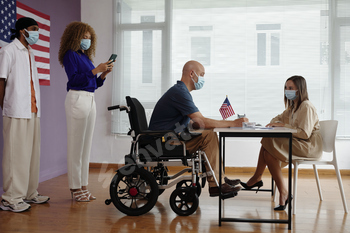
134,194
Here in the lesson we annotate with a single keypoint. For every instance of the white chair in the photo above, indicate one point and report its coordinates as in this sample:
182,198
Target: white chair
328,131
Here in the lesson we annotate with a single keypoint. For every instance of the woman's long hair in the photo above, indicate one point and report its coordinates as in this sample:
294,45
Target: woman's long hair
71,39
302,94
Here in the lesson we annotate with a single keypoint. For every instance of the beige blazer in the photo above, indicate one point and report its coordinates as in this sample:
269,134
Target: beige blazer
307,141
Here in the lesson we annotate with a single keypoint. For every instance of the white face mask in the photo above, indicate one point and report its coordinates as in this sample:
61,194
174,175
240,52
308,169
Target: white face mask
290,94
33,37
200,83
85,44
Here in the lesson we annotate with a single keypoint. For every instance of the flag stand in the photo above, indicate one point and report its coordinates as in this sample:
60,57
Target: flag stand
226,109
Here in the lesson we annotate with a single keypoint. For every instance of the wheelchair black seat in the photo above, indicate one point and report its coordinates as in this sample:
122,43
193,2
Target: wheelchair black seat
156,145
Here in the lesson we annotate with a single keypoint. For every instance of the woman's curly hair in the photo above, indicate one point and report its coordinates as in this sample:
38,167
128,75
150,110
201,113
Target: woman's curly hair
71,38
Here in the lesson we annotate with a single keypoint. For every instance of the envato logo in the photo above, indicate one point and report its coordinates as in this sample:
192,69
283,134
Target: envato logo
170,141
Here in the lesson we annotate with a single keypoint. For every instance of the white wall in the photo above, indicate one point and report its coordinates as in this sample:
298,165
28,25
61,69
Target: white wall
108,148
105,147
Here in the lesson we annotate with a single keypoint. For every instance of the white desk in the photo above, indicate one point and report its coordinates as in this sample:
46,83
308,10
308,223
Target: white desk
277,132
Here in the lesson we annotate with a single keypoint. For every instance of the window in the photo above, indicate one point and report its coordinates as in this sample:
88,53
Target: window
249,49
342,86
200,44
140,34
147,51
341,69
268,36
200,47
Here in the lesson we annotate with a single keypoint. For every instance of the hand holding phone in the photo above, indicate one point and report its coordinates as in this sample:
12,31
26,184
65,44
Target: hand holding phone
112,58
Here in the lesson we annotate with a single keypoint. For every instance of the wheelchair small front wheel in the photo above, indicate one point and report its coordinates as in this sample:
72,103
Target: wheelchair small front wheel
108,201
183,202
188,183
134,194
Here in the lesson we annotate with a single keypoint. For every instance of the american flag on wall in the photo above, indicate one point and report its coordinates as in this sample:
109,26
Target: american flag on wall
10,11
226,109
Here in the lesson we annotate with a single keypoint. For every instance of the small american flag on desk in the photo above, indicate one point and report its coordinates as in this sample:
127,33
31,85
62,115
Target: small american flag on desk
226,109
10,11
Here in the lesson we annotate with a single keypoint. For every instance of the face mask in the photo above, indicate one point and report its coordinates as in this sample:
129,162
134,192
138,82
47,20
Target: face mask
32,38
290,94
198,85
85,44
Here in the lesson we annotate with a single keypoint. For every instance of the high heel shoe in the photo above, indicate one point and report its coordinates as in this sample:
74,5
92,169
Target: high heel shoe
89,195
80,196
283,207
257,184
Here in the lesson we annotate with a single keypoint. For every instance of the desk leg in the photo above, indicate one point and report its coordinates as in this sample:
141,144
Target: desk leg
222,137
290,184
220,166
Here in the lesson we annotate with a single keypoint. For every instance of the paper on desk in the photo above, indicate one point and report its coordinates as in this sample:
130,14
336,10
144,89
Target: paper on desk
263,127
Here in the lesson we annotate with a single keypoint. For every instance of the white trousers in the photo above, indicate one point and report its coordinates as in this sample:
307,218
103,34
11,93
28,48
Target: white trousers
21,158
81,115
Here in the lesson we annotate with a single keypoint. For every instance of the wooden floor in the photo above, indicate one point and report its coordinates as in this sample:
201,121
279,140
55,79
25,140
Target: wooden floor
62,214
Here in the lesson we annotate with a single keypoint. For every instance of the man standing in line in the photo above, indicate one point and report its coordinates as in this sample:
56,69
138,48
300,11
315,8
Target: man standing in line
20,103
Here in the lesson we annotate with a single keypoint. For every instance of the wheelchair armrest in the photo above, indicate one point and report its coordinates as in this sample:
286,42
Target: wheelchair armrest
183,136
157,132
188,135
152,135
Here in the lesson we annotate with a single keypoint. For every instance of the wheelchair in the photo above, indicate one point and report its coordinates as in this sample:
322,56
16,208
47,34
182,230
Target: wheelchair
135,188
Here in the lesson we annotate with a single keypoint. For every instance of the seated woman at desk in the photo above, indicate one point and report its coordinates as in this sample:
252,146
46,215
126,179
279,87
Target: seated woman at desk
300,115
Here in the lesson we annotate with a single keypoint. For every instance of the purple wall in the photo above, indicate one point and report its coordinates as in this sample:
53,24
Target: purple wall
53,160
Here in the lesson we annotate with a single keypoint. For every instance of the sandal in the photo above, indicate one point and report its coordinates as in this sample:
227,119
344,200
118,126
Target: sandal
90,196
80,196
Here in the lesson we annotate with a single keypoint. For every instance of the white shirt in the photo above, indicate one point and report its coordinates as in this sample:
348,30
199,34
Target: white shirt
14,67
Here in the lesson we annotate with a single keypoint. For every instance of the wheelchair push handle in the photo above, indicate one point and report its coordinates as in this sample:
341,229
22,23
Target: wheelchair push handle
110,108
121,108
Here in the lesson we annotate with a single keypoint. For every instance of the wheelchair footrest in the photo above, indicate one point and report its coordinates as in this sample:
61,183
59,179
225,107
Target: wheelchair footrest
228,195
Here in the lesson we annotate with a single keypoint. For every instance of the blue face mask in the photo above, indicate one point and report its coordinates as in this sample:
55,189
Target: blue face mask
200,83
32,38
85,44
290,94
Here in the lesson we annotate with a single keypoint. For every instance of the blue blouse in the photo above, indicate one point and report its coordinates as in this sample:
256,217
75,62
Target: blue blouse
79,68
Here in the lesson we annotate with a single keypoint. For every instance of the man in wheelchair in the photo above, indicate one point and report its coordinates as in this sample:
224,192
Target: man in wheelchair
175,110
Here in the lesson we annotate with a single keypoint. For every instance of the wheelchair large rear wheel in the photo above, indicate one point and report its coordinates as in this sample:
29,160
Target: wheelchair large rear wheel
182,202
134,194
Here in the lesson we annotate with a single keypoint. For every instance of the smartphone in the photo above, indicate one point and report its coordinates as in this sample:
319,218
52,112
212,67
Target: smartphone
112,58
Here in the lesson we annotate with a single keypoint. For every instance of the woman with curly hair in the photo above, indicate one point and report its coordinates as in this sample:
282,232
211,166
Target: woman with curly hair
77,48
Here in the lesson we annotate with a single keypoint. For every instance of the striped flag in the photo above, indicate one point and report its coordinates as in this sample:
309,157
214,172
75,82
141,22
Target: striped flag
226,109
10,11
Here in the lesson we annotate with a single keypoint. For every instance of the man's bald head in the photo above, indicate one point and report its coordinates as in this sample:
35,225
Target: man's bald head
190,72
192,66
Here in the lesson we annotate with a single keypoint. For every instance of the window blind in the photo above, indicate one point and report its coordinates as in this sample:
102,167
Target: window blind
248,48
